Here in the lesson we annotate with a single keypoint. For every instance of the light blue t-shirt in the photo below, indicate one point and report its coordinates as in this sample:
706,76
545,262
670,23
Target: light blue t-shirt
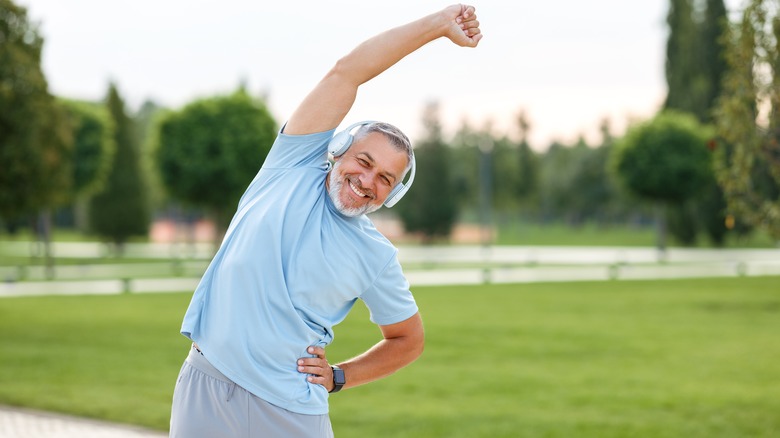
289,269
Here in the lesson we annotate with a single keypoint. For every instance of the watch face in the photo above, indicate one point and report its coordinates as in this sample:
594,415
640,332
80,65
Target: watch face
338,376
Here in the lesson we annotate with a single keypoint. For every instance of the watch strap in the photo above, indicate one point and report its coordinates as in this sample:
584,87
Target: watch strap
339,380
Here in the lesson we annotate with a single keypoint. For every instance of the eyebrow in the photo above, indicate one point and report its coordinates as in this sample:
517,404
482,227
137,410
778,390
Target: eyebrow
384,172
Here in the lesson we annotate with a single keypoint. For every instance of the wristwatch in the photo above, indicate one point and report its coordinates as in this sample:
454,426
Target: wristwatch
338,379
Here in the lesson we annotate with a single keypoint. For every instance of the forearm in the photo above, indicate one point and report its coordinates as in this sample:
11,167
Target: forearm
382,360
402,343
381,52
329,102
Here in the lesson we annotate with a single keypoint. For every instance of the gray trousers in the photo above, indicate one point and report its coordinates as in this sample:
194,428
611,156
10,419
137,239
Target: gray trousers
207,404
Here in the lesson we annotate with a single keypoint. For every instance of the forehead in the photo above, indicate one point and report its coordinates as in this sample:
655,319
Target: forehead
381,151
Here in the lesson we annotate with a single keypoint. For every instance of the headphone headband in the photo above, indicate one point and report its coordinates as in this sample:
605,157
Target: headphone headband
341,142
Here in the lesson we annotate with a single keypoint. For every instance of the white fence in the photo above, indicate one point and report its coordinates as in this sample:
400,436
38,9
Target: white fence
180,266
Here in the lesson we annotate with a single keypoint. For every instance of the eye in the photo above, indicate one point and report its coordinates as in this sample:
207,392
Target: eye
386,180
362,162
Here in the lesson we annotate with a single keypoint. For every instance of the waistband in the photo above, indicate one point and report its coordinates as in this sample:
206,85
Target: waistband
196,359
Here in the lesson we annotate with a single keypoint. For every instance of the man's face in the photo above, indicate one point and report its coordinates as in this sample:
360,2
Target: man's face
362,178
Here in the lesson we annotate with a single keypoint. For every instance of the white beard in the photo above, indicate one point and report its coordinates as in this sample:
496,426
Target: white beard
336,182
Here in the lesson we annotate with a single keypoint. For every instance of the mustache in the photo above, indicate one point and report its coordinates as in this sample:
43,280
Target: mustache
356,182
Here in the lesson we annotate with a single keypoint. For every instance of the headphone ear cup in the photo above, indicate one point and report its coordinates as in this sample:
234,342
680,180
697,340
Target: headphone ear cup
400,190
340,143
395,195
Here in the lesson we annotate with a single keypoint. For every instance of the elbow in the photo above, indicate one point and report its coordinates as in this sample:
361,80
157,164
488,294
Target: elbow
345,72
418,339
339,71
419,351
411,347
418,346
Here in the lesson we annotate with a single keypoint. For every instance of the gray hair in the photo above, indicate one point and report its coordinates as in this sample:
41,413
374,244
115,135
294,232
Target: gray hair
397,138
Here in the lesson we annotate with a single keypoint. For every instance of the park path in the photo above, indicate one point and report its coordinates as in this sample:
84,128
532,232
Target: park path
25,423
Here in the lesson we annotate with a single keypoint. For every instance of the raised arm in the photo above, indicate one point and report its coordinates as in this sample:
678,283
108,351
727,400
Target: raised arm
329,102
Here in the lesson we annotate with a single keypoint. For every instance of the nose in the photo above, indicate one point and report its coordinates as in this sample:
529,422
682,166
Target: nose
367,181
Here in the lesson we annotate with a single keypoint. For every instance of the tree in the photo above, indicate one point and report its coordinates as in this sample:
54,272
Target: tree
210,150
504,171
120,210
683,78
34,136
93,145
664,161
613,204
748,153
554,181
694,71
590,183
711,210
146,119
464,169
430,206
35,144
526,185
695,61
93,152
713,65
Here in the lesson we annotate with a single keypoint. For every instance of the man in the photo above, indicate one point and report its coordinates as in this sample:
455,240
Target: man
298,254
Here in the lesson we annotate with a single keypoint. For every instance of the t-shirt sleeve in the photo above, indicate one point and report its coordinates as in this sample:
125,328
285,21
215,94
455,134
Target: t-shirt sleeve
389,299
290,151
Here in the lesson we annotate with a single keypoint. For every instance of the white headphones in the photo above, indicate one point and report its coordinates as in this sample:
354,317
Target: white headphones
341,142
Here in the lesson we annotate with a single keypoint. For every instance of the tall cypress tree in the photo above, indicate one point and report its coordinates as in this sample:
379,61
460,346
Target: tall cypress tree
121,210
710,207
681,62
687,87
528,161
695,61
713,65
694,71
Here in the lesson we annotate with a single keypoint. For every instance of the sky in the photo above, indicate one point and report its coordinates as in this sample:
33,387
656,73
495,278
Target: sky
567,64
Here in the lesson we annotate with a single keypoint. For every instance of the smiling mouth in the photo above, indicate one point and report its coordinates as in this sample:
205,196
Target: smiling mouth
357,191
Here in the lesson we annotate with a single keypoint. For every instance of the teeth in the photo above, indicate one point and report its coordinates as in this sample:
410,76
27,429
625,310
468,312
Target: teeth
355,189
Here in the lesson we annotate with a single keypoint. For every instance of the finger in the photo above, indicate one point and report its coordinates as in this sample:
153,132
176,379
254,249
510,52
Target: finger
471,17
318,380
472,32
318,375
312,362
314,370
317,351
469,24
468,12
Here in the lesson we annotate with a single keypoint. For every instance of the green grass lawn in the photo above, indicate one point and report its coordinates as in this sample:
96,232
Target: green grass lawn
675,358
